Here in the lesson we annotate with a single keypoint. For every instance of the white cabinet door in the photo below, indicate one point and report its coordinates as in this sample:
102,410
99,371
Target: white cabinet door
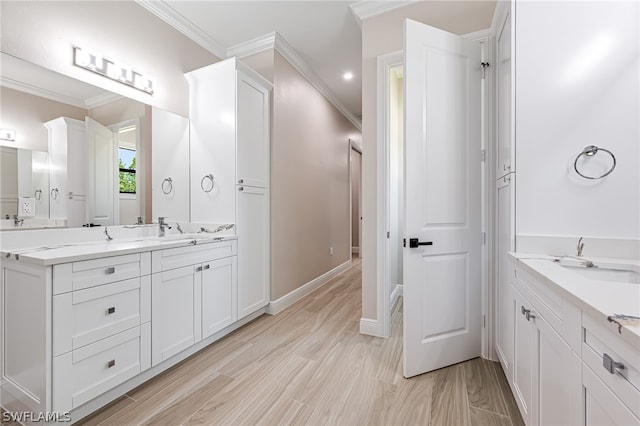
253,132
523,358
505,114
170,171
173,312
219,306
212,108
253,249
505,315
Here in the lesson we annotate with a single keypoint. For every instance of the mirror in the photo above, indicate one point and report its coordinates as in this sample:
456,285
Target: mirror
113,160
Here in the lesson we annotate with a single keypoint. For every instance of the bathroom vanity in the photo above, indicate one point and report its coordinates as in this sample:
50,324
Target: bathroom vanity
573,361
84,323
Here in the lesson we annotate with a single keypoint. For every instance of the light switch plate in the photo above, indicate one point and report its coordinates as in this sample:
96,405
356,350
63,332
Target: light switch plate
26,207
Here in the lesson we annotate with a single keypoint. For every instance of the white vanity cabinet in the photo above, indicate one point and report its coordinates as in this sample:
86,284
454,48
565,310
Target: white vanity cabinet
193,295
68,170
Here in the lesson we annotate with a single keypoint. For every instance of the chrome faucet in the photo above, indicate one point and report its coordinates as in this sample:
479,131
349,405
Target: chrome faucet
178,228
106,232
580,247
17,221
161,226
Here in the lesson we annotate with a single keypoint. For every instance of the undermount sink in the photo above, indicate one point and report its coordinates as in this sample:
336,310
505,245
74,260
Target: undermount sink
601,271
178,237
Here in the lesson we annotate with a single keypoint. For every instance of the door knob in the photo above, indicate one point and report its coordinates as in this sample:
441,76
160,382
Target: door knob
414,242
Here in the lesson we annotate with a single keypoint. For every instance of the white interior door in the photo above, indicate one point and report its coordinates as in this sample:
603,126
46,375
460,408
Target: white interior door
442,281
103,206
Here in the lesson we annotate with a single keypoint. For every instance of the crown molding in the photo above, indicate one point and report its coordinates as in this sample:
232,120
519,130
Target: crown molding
478,36
169,15
278,43
43,93
368,9
105,98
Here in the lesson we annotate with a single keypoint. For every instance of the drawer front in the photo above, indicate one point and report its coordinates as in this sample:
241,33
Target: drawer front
90,273
85,373
600,344
601,406
165,260
86,316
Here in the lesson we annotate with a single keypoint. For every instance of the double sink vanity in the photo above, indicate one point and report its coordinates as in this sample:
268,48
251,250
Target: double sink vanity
569,339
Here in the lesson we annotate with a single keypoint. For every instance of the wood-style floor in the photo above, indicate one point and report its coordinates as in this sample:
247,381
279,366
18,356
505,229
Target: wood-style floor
310,365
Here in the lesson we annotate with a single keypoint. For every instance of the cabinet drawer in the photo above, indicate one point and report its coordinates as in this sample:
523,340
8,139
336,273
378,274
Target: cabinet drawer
164,260
601,406
599,342
85,373
90,273
86,316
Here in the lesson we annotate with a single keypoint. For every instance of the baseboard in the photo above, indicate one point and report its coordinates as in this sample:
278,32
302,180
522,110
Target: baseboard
396,294
355,250
370,327
289,299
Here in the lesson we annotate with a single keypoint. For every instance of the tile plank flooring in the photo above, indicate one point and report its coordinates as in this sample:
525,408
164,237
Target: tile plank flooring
310,365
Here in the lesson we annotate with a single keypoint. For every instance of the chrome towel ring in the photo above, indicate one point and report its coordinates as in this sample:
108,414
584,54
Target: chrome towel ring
210,178
590,151
167,186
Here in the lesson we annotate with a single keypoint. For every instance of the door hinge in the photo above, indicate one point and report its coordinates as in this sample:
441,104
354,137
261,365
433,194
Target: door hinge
484,155
388,234
484,238
484,66
484,321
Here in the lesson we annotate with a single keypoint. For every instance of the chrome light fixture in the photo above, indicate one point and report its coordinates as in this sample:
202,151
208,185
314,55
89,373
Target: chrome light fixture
93,61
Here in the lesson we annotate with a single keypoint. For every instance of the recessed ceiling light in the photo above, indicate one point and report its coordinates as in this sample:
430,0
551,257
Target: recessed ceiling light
348,75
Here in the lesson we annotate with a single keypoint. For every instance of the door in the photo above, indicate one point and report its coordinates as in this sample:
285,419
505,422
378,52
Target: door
219,279
442,281
102,195
523,356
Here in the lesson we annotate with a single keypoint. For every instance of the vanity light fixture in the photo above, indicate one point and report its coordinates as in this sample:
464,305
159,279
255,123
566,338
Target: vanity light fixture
93,61
8,135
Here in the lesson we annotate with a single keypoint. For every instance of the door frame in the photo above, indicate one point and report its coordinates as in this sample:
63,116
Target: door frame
384,63
353,145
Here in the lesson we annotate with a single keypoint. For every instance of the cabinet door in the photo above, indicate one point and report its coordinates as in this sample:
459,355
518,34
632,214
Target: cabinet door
253,132
504,113
504,298
219,306
173,312
170,171
602,406
523,358
253,249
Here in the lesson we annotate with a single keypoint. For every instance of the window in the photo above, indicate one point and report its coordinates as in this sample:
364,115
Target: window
127,164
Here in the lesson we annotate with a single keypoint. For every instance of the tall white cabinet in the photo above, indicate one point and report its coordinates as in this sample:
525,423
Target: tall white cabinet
68,170
229,108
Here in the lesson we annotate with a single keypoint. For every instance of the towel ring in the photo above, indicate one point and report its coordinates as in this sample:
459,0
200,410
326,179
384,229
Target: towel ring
207,177
38,194
590,151
168,181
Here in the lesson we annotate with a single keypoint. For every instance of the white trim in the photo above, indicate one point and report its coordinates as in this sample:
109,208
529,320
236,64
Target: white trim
355,250
104,99
278,43
38,91
479,36
396,294
370,327
368,9
169,15
289,299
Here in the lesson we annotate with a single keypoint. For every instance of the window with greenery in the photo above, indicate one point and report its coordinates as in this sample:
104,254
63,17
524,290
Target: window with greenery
127,162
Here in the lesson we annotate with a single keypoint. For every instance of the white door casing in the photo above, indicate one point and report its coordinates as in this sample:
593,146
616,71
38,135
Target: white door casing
442,282
103,201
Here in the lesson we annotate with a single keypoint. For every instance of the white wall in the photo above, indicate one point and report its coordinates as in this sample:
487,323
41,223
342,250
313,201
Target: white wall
577,84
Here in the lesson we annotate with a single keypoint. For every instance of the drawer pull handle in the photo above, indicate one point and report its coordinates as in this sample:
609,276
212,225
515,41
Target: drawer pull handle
111,363
111,310
198,268
527,313
110,270
610,365
206,267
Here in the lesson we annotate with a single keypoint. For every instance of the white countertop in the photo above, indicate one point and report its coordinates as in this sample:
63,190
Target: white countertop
72,252
597,298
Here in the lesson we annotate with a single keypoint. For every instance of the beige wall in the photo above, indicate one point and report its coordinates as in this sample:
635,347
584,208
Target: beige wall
44,33
309,177
384,34
26,114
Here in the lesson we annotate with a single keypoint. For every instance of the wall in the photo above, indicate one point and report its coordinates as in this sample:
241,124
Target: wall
44,33
356,189
587,93
384,34
25,114
309,177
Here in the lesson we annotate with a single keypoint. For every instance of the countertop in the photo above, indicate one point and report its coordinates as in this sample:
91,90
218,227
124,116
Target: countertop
598,298
73,252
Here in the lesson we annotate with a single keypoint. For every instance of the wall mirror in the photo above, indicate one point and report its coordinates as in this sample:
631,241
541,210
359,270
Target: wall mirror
82,154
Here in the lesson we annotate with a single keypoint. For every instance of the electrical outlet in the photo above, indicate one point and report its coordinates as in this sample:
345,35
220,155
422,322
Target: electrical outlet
26,207
331,251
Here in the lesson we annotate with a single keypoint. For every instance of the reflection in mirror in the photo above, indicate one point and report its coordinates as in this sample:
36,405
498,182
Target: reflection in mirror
117,176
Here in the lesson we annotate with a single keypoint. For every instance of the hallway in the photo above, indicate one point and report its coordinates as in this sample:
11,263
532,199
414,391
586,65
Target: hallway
310,365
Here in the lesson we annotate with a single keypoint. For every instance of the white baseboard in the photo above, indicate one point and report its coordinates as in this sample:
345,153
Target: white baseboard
289,299
396,294
355,250
370,327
